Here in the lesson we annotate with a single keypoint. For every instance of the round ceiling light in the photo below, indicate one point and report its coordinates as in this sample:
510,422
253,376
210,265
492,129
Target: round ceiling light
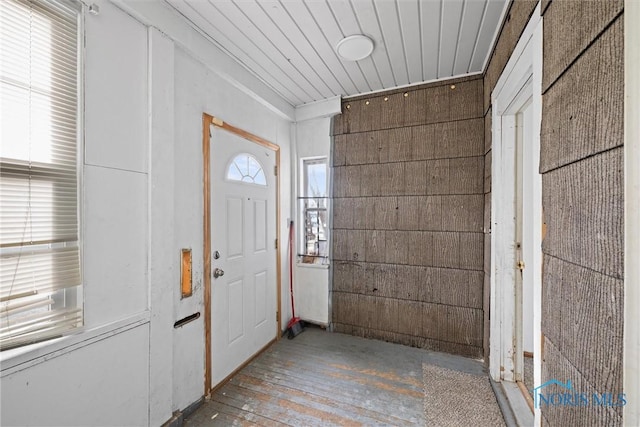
355,48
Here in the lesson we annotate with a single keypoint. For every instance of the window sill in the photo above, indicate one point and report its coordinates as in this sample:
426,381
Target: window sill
18,359
319,266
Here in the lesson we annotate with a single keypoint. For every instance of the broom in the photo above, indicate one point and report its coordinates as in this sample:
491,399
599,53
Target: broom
295,324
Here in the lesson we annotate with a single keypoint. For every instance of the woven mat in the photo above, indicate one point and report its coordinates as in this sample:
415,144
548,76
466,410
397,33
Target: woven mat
456,399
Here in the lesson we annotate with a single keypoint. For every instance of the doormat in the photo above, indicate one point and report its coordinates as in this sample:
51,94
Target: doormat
453,398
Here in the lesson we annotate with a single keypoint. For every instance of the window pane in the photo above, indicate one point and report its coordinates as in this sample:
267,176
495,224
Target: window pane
316,180
246,168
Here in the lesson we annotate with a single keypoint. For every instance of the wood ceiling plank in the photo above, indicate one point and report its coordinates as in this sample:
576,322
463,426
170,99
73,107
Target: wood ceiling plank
333,32
488,29
350,78
276,79
262,29
365,14
451,17
388,16
292,31
241,35
473,13
430,37
409,13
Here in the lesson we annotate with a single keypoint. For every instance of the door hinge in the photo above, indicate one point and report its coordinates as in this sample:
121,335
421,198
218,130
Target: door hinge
277,316
276,243
275,170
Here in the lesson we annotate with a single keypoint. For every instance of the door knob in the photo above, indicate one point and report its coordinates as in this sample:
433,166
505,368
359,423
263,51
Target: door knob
217,272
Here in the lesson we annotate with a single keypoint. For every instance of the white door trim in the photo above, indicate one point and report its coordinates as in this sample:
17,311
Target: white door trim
520,80
631,414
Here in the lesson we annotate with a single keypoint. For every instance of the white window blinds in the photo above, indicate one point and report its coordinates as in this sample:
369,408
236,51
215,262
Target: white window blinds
40,262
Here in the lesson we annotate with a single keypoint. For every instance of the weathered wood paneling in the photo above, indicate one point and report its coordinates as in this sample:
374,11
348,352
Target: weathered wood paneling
415,112
343,211
579,123
408,189
423,142
583,205
557,366
376,246
415,179
593,346
420,248
398,146
393,109
453,288
487,131
569,27
462,138
582,187
385,213
464,325
487,213
446,250
396,247
487,172
471,251
464,213
438,176
466,100
364,213
420,213
356,146
517,17
410,318
466,175
339,150
438,104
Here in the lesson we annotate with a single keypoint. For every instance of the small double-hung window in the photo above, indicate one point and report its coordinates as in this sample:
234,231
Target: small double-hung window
314,215
40,281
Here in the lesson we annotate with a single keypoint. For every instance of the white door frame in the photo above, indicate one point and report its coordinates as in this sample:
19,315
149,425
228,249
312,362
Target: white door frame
520,80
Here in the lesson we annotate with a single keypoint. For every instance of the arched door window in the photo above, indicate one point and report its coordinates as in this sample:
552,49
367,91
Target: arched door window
246,168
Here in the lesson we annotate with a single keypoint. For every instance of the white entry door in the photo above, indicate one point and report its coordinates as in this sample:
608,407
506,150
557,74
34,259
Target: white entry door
243,234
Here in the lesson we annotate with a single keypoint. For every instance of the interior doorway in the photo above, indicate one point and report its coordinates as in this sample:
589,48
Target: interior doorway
241,254
516,222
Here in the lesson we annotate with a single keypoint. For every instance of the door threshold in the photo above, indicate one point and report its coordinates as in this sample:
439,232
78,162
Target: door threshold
518,403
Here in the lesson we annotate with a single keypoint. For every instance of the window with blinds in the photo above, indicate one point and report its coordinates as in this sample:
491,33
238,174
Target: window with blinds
40,281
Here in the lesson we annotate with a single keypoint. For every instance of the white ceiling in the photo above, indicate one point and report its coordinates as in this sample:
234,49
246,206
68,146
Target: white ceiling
290,44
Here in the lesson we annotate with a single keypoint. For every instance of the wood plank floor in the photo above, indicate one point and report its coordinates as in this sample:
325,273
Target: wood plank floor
322,378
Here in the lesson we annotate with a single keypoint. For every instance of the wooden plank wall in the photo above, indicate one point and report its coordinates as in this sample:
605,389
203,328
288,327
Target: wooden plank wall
408,211
581,162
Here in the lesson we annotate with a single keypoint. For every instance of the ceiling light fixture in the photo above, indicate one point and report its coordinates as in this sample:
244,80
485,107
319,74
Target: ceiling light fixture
355,48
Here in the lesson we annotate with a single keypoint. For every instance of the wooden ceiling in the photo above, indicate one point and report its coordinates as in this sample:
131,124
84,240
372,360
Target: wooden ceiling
290,44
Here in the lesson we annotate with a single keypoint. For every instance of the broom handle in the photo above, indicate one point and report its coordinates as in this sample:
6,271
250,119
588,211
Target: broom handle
293,309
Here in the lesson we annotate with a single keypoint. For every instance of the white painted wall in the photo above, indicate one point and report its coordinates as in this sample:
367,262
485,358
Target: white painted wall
311,282
105,381
198,90
141,203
